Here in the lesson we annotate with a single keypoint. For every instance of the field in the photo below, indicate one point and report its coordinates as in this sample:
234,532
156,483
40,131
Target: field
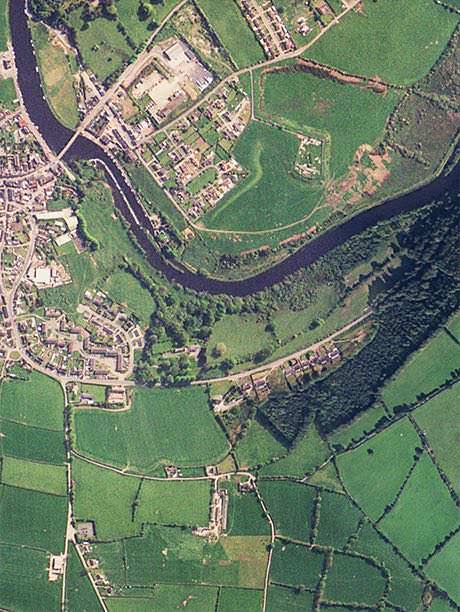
454,326
245,515
24,442
281,497
376,457
326,477
338,520
163,426
139,30
281,599
169,598
365,44
258,446
80,594
423,515
353,580
125,289
57,77
38,401
437,418
441,568
351,115
30,518
233,31
35,476
296,565
362,425
426,370
272,195
243,600
4,25
97,392
8,95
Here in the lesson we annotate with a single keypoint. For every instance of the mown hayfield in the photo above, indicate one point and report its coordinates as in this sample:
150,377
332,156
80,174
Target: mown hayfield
281,498
245,515
8,94
35,476
309,452
39,401
32,443
441,568
4,25
427,369
338,520
397,43
30,518
370,473
163,426
233,31
295,565
423,515
57,77
80,594
353,580
281,599
258,446
174,502
351,115
358,428
24,581
406,589
125,289
272,195
439,419
243,600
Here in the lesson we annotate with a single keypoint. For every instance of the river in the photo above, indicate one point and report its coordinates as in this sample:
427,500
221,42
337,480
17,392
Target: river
57,136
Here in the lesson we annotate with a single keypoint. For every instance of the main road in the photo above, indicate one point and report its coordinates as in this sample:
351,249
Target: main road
57,136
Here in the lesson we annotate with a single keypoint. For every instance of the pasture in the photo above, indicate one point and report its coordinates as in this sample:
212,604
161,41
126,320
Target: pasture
243,600
375,459
258,446
30,518
125,289
8,94
4,25
281,497
295,565
428,368
326,477
454,326
362,425
169,598
131,604
441,568
272,195
227,21
351,115
79,591
438,418
338,520
35,476
32,443
139,29
353,580
281,599
245,515
374,43
97,392
163,426
37,401
423,515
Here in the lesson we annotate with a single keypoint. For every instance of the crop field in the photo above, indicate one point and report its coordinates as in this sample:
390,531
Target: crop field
351,115
125,289
79,591
32,443
281,599
258,446
280,497
338,520
296,565
36,476
57,77
426,370
377,457
24,582
437,418
8,95
272,195
163,426
364,44
309,452
233,31
245,515
37,401
441,568
423,515
30,518
4,25
353,580
362,425
243,600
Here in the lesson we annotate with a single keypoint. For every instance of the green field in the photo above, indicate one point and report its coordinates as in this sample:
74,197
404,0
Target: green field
4,25
438,418
80,595
169,598
243,600
365,44
426,370
295,565
374,461
442,568
358,428
338,520
272,195
140,29
97,392
131,604
245,515
30,518
281,497
353,580
258,446
8,95
36,476
454,326
423,515
32,443
351,115
163,426
281,599
326,477
37,401
125,289
57,78
233,31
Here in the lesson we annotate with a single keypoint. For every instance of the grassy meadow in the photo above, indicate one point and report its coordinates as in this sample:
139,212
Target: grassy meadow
296,565
4,25
282,598
353,580
441,565
244,600
258,446
31,443
358,428
35,476
125,289
338,520
79,591
8,94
